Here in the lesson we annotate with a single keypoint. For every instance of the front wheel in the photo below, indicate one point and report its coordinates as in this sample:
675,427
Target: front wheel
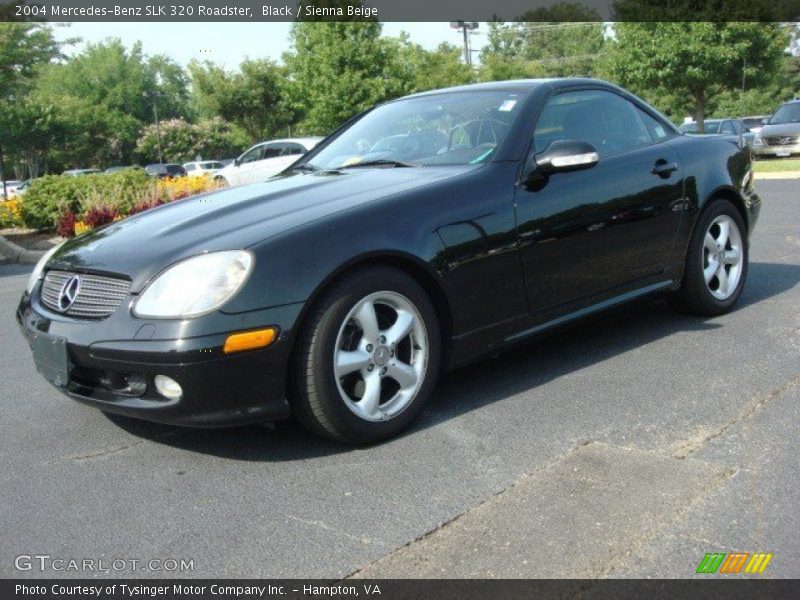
367,357
716,262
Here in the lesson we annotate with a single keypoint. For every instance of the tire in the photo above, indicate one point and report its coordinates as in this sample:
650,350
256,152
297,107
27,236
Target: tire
698,294
384,376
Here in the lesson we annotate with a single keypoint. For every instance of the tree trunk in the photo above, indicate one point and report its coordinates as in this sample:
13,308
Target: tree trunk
700,110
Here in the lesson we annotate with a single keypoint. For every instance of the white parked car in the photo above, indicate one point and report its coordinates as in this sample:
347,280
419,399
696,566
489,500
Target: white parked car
198,168
264,160
11,188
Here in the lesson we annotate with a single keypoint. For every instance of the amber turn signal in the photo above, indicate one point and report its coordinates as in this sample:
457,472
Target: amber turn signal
250,340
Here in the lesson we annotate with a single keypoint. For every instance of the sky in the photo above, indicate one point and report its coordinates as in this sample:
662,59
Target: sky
228,44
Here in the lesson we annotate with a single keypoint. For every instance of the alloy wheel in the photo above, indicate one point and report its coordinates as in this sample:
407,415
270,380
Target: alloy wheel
722,257
381,356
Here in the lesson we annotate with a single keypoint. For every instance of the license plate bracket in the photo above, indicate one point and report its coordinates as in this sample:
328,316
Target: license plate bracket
51,358
783,153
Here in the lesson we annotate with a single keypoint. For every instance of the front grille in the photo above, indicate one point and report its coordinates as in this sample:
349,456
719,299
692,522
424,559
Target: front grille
97,296
782,140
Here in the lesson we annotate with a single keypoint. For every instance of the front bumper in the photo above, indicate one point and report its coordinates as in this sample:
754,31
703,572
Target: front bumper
777,151
218,389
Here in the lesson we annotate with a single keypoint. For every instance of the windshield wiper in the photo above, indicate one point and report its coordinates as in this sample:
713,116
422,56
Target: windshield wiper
308,167
381,162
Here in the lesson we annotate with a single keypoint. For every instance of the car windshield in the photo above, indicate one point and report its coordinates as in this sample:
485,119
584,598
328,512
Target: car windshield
454,128
753,122
788,113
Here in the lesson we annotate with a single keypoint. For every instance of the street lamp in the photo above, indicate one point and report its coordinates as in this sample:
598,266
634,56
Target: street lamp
467,27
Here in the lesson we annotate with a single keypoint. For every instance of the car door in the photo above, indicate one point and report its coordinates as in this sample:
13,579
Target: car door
242,172
608,228
268,164
289,153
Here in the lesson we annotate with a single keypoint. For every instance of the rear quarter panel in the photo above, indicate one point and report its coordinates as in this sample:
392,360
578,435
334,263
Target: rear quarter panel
712,166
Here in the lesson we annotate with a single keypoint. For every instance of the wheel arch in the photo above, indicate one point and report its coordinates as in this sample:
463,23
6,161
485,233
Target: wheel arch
408,264
727,192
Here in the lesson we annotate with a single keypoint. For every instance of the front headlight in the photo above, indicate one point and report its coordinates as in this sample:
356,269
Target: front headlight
195,286
36,275
758,141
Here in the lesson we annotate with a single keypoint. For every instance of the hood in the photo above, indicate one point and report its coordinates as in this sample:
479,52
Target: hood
235,218
780,129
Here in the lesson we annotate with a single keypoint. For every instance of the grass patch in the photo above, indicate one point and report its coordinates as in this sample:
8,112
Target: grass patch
776,165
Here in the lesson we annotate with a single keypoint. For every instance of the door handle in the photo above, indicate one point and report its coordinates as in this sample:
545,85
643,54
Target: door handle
664,169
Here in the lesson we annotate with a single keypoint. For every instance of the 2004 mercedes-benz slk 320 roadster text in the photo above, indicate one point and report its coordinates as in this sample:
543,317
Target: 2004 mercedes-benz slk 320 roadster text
423,234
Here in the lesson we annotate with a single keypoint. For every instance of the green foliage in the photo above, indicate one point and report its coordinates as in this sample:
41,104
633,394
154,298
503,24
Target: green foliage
338,70
182,142
499,68
105,96
762,100
706,11
52,195
253,99
692,62
423,70
564,39
23,48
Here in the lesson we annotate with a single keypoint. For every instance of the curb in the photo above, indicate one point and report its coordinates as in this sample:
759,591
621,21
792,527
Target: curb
777,175
11,253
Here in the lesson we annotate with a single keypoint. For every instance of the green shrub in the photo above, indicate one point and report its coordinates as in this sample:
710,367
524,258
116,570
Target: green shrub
52,195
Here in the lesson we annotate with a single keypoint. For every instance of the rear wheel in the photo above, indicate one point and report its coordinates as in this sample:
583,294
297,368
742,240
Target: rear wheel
716,263
367,358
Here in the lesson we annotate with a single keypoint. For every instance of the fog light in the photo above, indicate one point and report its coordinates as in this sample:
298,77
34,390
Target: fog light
168,387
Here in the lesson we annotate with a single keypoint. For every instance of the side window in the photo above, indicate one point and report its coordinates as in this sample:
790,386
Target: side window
292,149
727,127
272,150
191,167
654,126
604,119
252,155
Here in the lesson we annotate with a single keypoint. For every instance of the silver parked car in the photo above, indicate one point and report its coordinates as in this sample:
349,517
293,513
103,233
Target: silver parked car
730,127
781,134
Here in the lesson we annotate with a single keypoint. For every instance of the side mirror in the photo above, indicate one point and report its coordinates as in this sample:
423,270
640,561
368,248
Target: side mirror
237,162
765,120
566,155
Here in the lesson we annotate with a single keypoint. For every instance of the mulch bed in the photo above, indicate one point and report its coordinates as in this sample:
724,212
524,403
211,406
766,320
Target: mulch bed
30,239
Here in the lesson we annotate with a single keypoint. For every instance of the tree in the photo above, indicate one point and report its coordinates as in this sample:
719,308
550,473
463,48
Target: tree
423,70
254,99
564,39
31,130
696,60
337,70
106,95
183,142
24,47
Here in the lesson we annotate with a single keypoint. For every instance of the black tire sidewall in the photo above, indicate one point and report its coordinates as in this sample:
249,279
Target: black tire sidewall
349,426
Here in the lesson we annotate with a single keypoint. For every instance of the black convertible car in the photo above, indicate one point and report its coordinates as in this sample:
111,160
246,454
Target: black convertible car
423,234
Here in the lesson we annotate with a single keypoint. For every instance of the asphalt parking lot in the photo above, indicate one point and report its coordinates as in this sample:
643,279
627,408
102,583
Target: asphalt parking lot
627,447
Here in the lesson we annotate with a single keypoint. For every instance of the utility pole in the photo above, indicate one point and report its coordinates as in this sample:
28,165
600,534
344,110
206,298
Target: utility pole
153,97
744,72
466,27
3,174
158,131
